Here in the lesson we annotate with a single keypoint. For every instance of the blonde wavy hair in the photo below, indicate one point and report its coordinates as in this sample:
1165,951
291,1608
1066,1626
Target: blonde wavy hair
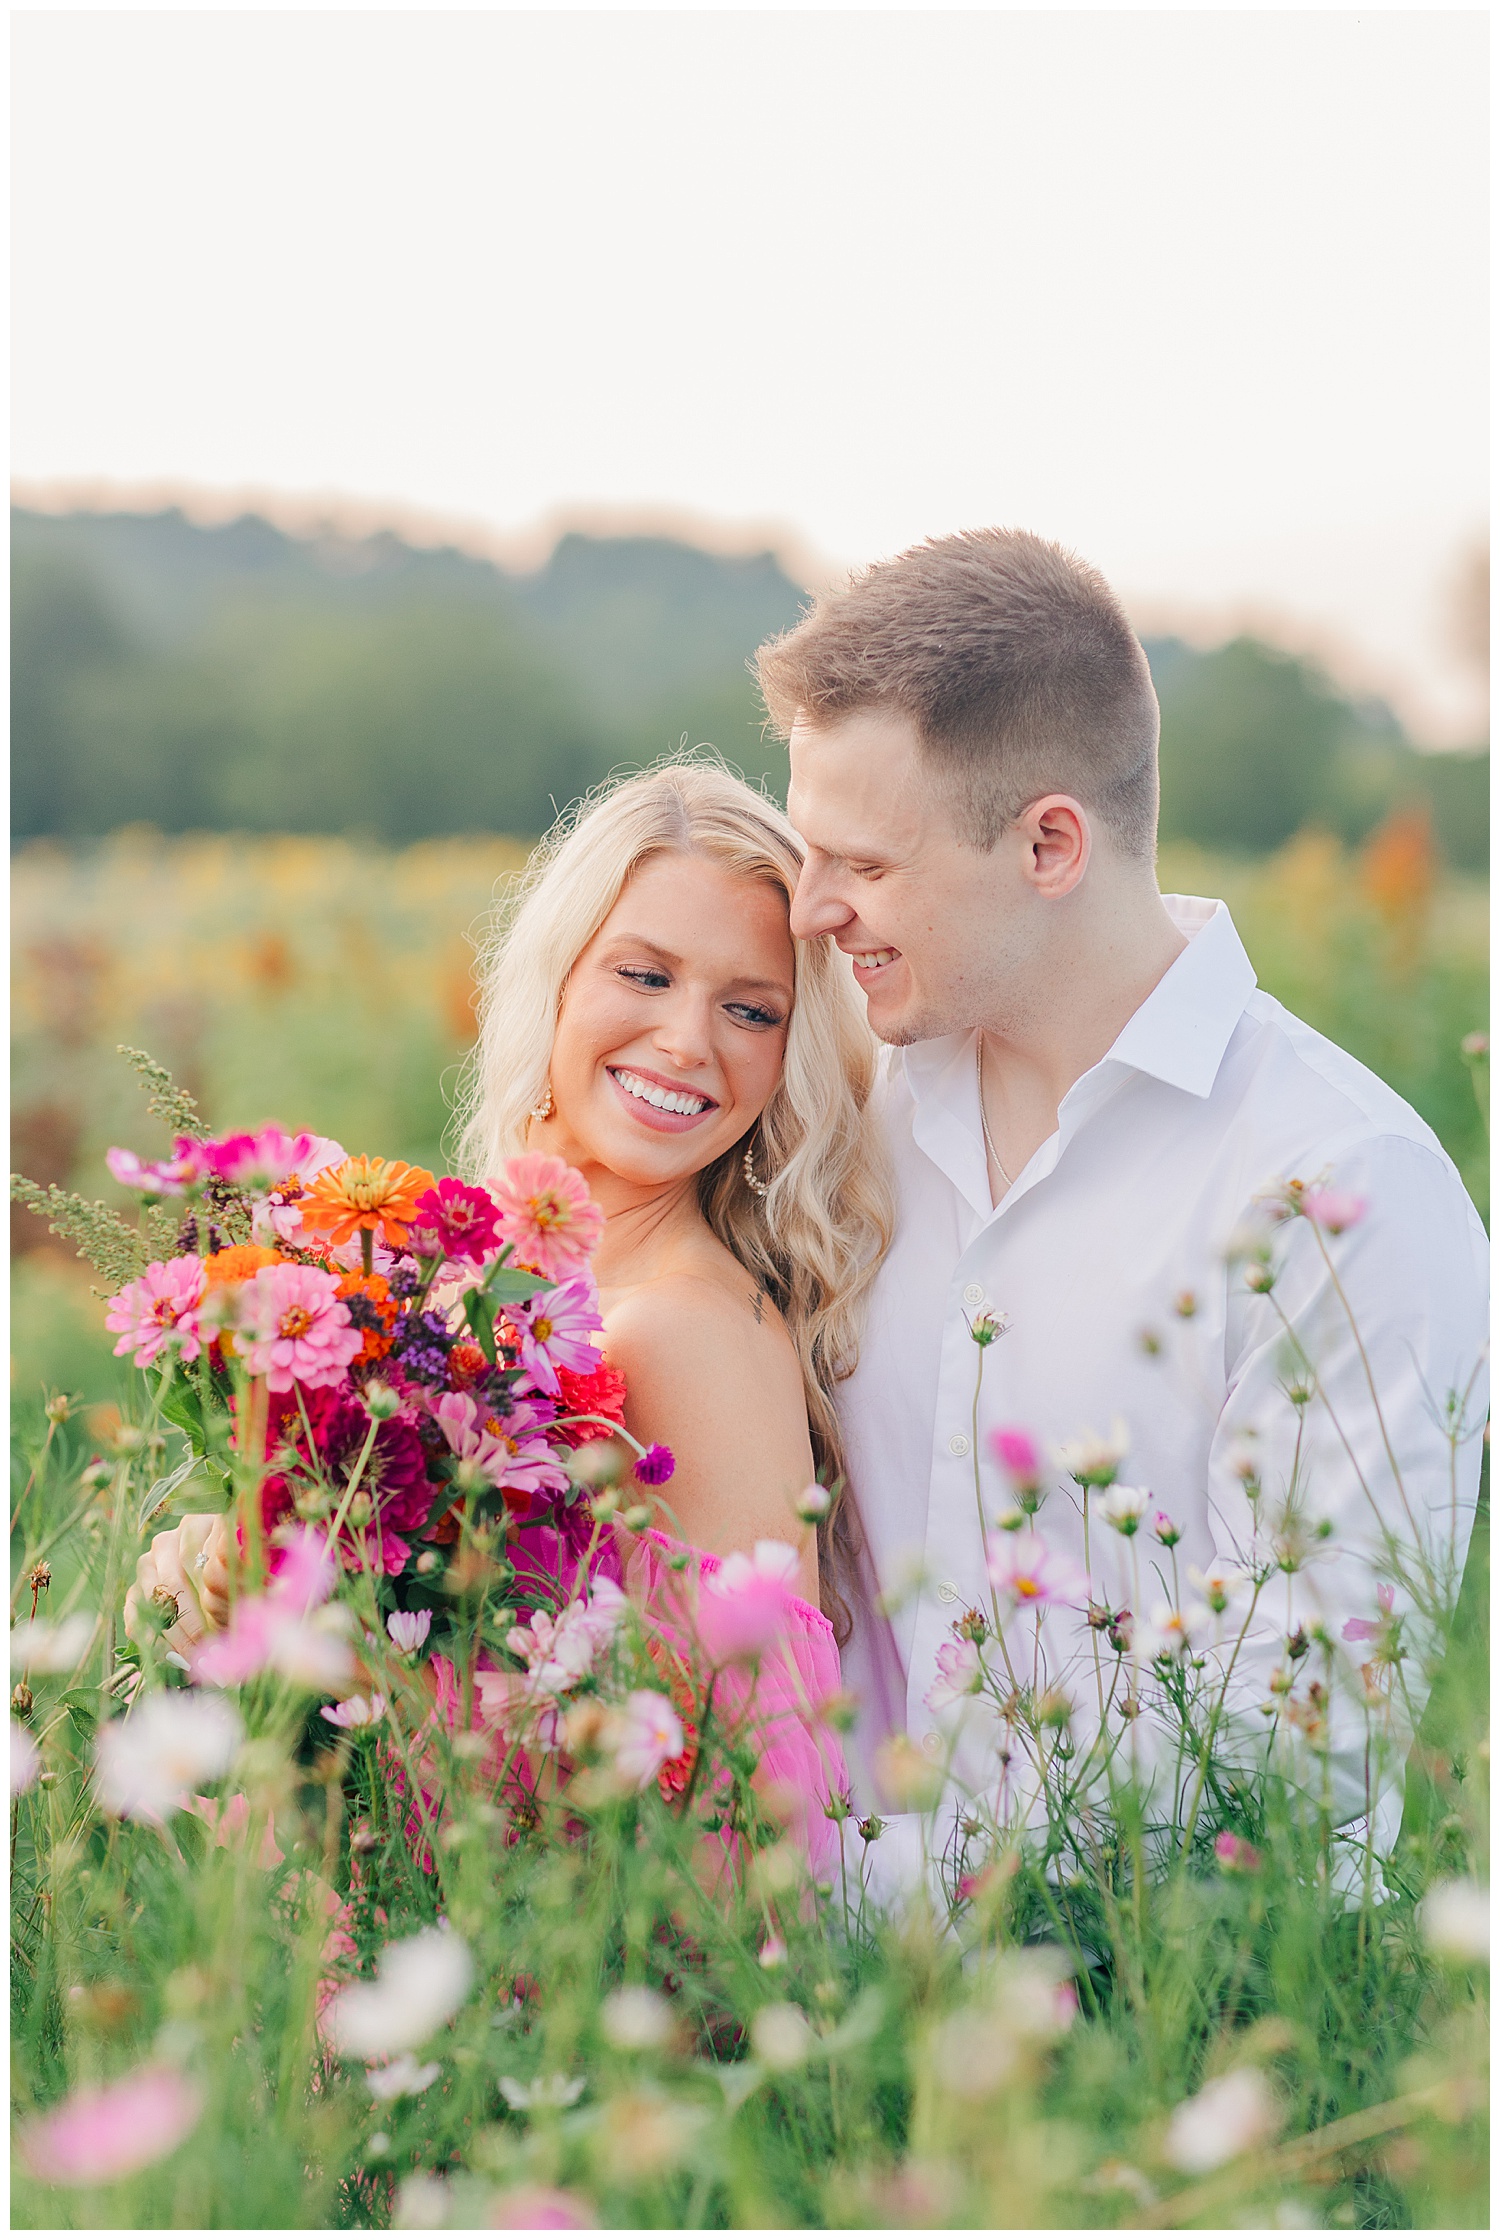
814,1241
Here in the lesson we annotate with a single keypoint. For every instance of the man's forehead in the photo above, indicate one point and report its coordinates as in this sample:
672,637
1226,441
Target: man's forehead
856,785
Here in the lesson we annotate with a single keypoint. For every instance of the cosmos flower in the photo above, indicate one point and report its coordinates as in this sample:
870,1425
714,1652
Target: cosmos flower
744,1604
159,1178
1124,1507
37,1646
293,1328
408,1629
1019,1456
25,1759
378,1195
419,1984
559,1652
146,1762
103,2132
959,1674
278,1214
557,1330
546,1214
159,1308
356,1713
255,1164
641,1735
510,1450
1229,2117
1034,1576
1334,1210
1092,1460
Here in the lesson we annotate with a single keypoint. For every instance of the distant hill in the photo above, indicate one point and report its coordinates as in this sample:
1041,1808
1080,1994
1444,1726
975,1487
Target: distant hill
237,677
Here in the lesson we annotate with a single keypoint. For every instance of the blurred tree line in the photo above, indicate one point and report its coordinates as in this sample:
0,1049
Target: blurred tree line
236,678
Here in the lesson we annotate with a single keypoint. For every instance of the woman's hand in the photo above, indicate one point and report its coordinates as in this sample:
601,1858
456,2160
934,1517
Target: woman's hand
185,1571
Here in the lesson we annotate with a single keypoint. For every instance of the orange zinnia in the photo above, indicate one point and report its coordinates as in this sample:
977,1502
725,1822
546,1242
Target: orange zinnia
237,1263
366,1194
374,1288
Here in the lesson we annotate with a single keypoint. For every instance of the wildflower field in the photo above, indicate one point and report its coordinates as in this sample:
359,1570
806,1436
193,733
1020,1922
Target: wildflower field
438,1898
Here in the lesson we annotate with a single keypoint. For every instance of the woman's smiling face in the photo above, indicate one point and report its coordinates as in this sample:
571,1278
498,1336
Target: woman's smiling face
673,1024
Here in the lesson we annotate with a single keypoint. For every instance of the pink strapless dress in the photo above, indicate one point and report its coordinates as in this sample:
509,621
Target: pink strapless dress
778,1704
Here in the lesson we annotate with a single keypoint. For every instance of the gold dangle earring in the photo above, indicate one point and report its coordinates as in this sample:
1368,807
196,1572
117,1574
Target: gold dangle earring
752,1178
543,1111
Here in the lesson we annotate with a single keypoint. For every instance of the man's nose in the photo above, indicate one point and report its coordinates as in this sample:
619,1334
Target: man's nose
816,907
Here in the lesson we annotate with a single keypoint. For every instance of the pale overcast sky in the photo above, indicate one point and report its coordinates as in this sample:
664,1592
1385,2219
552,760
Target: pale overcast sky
1202,294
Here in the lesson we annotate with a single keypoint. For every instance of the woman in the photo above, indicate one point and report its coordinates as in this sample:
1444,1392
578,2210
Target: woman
648,1017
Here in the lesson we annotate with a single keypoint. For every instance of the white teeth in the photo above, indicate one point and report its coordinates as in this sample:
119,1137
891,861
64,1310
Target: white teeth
875,957
665,1100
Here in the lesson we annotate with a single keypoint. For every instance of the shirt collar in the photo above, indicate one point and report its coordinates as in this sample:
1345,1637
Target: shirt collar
1178,1035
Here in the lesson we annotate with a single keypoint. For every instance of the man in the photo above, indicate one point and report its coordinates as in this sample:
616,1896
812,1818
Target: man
1086,1099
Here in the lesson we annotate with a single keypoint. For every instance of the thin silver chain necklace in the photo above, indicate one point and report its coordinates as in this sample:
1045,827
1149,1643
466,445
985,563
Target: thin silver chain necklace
989,1141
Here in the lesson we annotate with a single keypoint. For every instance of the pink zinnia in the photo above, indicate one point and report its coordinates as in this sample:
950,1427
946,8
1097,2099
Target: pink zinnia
1034,1576
546,1214
558,1331
1334,1210
295,1329
457,1219
159,1306
106,2131
744,1603
1018,1455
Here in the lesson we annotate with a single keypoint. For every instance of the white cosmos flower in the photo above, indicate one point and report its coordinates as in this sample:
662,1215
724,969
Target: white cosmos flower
1124,1507
1219,1584
642,1735
781,2036
36,1646
402,2077
1172,1630
1455,1919
146,1763
1093,1458
543,2092
1227,2118
408,1629
25,1759
635,2018
421,1983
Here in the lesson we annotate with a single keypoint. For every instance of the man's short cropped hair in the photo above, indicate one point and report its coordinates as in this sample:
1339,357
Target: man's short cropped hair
1015,664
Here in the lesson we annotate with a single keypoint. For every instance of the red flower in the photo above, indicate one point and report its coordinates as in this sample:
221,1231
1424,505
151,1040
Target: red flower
589,1392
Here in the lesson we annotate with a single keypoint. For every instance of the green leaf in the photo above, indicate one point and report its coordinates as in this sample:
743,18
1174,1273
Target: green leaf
481,1319
507,1287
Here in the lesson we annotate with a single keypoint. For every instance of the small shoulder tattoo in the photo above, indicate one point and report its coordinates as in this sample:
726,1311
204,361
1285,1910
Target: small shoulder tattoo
758,1301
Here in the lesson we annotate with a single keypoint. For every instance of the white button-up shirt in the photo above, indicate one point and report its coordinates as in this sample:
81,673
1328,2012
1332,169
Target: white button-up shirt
1117,1224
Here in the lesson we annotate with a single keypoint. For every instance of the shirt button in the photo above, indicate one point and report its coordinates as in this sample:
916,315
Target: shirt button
973,1294
958,1444
932,1743
949,1592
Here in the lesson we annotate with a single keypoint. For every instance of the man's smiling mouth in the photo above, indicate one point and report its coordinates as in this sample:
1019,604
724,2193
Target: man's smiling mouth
682,1101
870,960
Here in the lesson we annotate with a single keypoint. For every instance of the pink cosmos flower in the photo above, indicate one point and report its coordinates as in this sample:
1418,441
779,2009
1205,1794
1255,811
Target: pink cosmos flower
1372,1629
546,1214
277,1215
159,1178
272,1630
160,1307
102,2132
539,2209
556,1330
1234,1854
456,1219
1019,1455
1035,1576
257,1163
643,1734
744,1603
1334,1210
958,1674
227,1820
355,1712
408,1629
1165,1530
510,1450
294,1328
559,1652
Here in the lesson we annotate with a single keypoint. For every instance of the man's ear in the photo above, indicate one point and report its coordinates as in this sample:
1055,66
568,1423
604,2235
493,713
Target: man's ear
1058,842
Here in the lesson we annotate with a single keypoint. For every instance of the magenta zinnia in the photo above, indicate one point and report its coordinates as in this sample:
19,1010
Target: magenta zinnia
458,1220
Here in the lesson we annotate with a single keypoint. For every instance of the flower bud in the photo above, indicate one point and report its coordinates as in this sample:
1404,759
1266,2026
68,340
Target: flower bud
839,1710
1260,1277
381,1400
360,1511
637,1517
22,1701
987,1327
603,1506
871,1829
59,1408
164,1608
599,1462
39,1578
814,1503
428,1561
